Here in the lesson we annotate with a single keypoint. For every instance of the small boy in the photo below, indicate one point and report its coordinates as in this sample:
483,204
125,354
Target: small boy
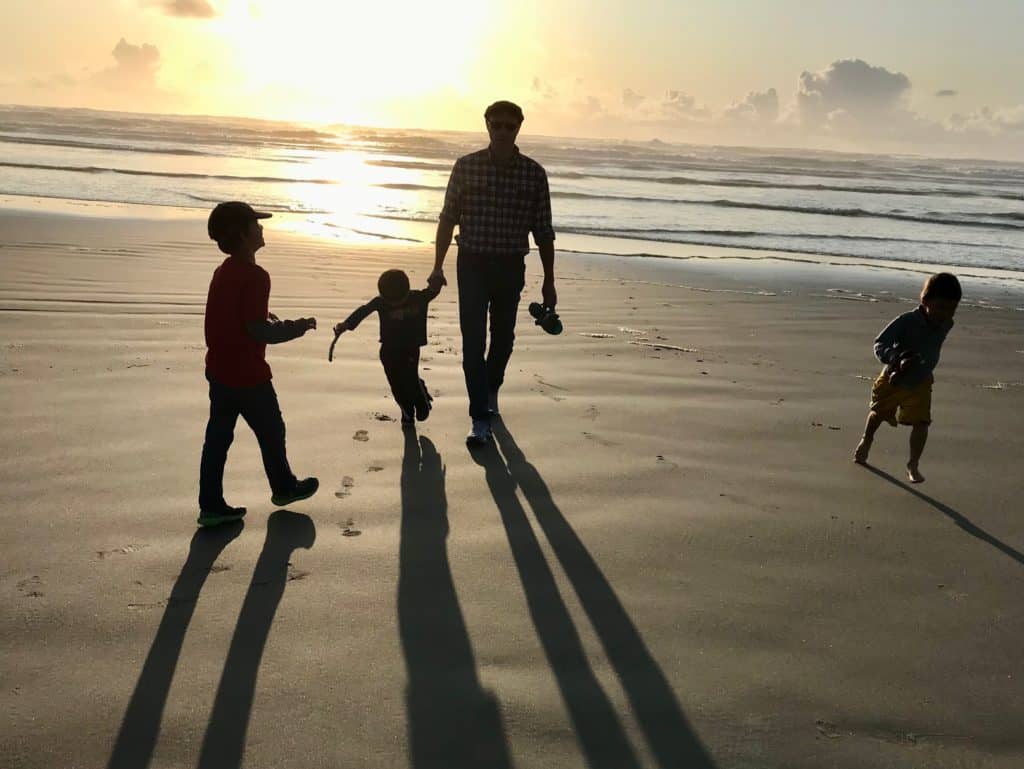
403,331
909,347
238,328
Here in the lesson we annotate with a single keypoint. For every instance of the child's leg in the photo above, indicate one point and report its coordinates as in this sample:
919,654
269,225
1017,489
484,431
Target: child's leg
918,437
870,428
395,366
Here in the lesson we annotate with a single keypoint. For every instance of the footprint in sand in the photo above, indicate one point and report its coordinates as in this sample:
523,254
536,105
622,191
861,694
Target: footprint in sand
380,417
348,529
29,587
374,468
598,439
103,554
821,424
591,412
296,574
346,485
361,435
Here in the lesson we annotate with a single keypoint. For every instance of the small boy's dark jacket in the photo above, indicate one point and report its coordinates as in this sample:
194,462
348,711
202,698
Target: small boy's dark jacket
401,325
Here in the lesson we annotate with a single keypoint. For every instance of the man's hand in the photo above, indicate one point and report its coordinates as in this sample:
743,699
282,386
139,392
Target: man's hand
437,276
340,328
548,293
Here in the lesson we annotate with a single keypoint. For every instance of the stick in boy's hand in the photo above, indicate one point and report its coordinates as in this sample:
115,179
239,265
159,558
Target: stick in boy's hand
339,329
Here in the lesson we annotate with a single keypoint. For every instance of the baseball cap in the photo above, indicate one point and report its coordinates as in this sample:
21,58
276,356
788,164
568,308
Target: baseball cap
227,219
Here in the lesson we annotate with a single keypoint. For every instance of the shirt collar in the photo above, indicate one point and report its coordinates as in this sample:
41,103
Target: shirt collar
515,156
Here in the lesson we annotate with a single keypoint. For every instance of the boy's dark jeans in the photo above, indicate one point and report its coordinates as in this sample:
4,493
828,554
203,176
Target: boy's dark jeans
488,284
259,408
402,368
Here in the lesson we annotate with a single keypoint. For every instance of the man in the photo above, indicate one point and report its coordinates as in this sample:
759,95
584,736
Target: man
497,197
238,329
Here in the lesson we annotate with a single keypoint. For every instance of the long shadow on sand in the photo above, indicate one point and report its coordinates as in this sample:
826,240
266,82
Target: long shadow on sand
661,718
959,519
453,722
224,743
141,725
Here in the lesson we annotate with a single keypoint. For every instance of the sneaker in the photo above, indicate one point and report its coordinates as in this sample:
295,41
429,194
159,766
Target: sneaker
480,434
225,515
492,403
304,489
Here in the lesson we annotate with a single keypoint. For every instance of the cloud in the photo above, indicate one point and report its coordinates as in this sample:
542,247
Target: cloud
631,99
945,93
994,122
135,67
758,107
680,104
184,9
850,92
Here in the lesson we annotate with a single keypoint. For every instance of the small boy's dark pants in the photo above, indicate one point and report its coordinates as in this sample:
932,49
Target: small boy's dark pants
259,408
488,285
402,368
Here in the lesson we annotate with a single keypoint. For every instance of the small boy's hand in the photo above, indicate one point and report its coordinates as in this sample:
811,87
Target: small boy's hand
437,276
310,323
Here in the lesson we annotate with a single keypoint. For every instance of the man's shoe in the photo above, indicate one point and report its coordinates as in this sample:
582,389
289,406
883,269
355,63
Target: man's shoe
225,515
480,434
492,403
304,489
423,403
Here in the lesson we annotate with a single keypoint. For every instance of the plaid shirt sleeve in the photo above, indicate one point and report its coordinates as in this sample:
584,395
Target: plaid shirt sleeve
542,229
451,212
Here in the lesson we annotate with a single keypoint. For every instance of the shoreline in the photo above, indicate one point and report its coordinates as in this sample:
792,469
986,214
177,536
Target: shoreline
992,281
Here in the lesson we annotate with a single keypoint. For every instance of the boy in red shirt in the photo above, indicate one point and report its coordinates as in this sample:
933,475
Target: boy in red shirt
238,329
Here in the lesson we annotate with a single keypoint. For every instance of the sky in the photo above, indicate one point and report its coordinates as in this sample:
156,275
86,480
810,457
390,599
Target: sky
942,77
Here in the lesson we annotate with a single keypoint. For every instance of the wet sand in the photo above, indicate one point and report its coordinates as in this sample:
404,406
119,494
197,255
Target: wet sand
667,559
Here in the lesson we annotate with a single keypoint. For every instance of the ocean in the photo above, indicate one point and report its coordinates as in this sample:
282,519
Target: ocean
368,184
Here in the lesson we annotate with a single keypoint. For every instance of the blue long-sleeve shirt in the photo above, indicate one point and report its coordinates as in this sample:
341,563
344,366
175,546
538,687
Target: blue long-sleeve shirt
912,332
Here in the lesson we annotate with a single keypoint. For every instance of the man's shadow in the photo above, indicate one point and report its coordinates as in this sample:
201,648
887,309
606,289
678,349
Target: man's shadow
453,721
601,734
224,743
959,519
141,725
669,735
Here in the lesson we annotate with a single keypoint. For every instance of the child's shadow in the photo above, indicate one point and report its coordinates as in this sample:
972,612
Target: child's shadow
958,518
453,721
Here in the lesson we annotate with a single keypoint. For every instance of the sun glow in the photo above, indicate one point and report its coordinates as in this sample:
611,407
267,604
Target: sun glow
325,60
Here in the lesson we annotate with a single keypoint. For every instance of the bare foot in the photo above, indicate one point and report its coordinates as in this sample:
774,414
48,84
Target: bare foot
914,474
860,456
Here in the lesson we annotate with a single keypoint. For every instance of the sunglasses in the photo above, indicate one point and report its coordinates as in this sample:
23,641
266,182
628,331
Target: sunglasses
502,125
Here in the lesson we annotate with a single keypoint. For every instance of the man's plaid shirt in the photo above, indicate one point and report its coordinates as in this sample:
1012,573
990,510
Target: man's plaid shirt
497,207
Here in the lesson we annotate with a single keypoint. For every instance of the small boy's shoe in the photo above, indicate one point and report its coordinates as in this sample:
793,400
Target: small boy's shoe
227,514
304,489
492,403
480,433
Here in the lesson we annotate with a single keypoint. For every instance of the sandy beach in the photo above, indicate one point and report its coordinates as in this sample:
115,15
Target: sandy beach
667,559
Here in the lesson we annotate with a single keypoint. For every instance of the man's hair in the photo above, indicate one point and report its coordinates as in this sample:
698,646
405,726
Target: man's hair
393,285
504,108
942,285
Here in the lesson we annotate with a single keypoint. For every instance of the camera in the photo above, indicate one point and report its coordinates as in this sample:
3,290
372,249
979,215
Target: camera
546,317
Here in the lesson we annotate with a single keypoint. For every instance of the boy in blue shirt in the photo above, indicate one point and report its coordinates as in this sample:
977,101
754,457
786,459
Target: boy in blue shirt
403,331
909,347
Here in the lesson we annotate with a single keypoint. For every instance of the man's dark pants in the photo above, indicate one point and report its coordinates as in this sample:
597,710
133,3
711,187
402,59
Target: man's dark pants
402,368
488,284
259,408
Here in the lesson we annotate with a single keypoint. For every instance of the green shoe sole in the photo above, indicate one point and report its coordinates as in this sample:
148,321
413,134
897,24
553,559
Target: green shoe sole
216,520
